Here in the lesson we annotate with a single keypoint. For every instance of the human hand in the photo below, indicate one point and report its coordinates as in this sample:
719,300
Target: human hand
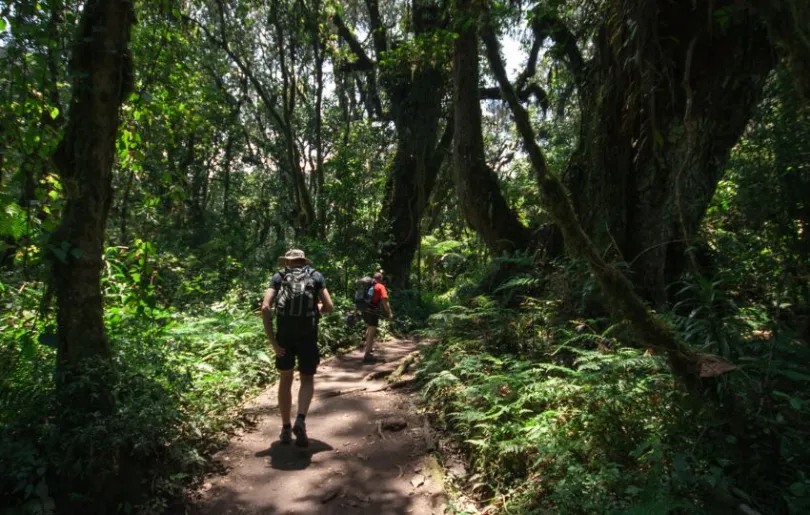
280,351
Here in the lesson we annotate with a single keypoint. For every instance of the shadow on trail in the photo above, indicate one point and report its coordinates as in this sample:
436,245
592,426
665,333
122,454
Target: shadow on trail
362,469
289,457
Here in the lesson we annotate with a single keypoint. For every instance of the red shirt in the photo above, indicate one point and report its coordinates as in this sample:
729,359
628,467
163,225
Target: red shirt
379,293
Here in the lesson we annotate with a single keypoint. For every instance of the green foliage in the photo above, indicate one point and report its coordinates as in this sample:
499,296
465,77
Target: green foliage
180,382
578,432
565,417
554,407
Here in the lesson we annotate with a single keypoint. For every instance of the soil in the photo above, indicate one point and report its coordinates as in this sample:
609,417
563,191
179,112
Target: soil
369,450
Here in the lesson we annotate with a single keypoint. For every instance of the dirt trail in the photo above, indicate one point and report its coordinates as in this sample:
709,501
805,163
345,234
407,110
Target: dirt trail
353,463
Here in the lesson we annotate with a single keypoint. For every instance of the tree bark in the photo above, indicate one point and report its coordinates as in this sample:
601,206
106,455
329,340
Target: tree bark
662,107
318,56
101,68
102,78
788,24
479,194
416,96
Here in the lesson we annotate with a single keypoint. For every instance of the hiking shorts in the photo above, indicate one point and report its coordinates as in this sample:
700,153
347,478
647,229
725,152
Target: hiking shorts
299,337
371,317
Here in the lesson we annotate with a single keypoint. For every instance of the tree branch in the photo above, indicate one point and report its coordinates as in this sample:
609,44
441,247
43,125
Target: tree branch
363,63
546,24
540,95
523,88
267,99
378,34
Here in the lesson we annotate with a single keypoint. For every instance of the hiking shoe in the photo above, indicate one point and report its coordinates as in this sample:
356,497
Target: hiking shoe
300,430
371,358
286,435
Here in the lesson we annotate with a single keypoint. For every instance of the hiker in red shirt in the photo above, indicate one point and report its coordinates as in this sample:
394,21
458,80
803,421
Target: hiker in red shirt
371,316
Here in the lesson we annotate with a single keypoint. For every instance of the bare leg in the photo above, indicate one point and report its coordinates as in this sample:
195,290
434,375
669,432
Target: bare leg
285,395
371,333
305,392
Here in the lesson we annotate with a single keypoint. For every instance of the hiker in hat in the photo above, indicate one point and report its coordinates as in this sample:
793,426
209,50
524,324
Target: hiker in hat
293,295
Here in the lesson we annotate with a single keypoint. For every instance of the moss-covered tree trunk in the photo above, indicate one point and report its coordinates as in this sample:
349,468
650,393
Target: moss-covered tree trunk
415,83
651,331
416,87
413,172
482,203
668,93
101,68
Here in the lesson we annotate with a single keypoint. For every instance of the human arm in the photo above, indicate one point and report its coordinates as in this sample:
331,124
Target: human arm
267,318
387,307
326,306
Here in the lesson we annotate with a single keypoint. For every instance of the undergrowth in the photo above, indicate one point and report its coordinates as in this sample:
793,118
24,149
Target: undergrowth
179,383
570,416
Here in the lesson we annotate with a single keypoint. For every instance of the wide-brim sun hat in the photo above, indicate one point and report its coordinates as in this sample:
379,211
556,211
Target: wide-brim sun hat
293,255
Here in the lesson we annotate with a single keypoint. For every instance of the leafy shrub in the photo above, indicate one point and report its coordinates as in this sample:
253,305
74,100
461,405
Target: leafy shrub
178,384
567,418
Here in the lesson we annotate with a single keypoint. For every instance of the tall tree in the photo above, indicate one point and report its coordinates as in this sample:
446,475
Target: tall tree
101,67
668,92
482,203
484,206
662,99
102,76
651,331
411,73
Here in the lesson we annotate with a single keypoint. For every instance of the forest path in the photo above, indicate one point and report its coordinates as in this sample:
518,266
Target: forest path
358,460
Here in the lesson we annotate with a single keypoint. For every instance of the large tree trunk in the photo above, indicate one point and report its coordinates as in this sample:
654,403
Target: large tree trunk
662,107
101,68
476,183
102,71
651,331
413,174
416,96
788,24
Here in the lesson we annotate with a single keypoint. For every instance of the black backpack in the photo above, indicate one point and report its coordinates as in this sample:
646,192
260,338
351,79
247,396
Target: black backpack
363,293
296,297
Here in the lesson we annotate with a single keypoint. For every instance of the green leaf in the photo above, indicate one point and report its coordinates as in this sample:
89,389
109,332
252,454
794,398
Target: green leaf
2,24
54,113
262,356
13,221
60,254
798,489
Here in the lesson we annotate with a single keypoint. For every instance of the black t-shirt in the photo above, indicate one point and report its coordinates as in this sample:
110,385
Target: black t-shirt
317,278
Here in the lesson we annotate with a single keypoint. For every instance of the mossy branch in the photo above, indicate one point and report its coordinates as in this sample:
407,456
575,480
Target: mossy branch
650,330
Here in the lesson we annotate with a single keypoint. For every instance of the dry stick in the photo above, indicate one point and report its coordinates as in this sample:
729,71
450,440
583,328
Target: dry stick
650,330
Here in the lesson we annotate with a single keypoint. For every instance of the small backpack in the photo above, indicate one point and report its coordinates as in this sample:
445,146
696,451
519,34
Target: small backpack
363,293
296,297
